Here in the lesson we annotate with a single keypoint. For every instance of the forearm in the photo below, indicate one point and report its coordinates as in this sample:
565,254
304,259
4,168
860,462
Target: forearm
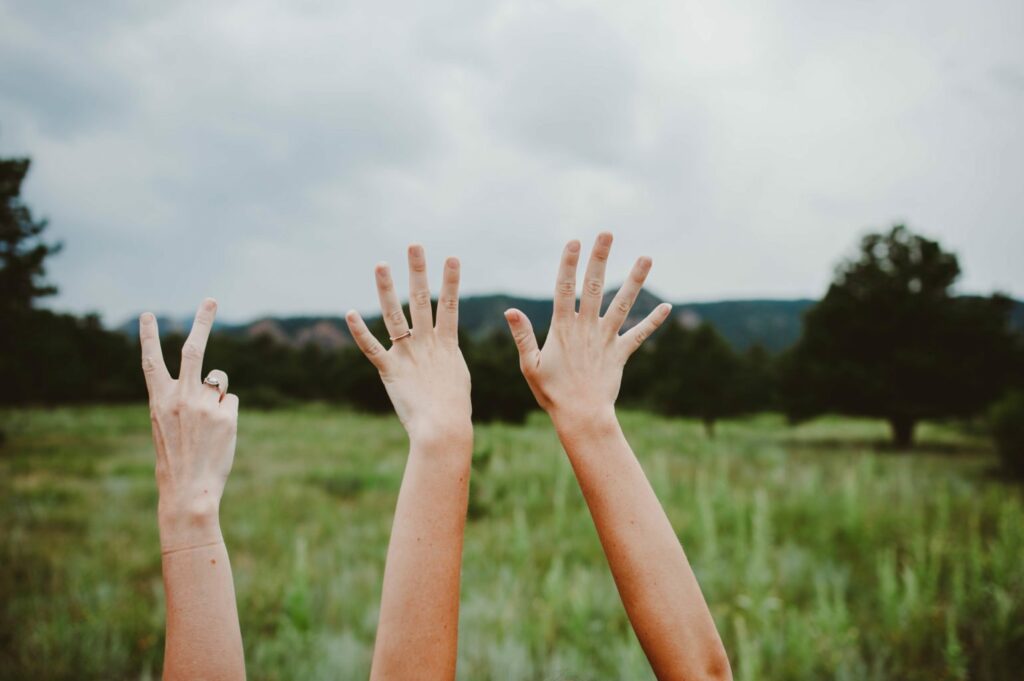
203,636
654,578
418,632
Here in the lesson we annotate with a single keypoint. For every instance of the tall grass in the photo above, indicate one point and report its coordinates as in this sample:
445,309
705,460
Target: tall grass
822,556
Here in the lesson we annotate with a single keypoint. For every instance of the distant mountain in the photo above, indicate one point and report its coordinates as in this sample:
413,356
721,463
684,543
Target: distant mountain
773,324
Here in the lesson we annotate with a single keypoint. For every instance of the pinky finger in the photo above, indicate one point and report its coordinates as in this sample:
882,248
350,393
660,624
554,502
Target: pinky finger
366,341
635,337
230,402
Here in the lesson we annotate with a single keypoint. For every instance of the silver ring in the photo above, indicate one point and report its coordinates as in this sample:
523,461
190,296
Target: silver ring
398,338
210,380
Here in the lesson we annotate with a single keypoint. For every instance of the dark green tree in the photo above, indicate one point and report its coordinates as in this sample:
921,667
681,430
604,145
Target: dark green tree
22,248
698,375
499,391
889,340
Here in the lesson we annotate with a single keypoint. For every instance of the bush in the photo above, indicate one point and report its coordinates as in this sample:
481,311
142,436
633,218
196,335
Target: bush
1007,418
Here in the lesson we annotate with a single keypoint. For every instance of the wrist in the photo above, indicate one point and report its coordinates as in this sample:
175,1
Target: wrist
582,421
455,437
189,524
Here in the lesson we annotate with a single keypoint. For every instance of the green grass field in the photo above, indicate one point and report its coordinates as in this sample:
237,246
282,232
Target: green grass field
821,555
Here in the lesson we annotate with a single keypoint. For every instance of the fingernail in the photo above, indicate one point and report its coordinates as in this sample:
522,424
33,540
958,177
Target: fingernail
452,263
511,315
574,246
605,238
646,262
146,318
209,304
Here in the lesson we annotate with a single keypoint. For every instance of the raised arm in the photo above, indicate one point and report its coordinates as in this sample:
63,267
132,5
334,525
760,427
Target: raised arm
194,425
428,382
576,378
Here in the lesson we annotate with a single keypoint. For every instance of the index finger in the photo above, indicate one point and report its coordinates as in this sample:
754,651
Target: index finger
195,345
153,367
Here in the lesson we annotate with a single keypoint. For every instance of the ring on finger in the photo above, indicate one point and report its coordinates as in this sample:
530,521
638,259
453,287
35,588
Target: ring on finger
218,380
399,337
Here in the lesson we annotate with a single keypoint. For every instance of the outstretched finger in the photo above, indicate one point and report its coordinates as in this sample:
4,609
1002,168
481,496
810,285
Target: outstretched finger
153,367
390,308
195,345
366,341
620,306
565,286
635,337
419,290
593,280
526,341
448,302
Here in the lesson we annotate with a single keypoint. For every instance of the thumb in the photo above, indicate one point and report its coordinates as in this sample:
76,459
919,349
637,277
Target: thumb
522,333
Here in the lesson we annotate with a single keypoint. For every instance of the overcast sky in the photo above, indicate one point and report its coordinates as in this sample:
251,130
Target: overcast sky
269,153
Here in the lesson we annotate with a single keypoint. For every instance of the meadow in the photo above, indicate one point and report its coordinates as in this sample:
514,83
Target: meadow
823,555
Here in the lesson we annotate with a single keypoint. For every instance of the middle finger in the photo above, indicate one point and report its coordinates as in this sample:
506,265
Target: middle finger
419,290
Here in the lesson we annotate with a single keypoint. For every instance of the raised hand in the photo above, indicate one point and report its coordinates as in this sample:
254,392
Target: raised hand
579,370
576,378
424,372
194,431
428,382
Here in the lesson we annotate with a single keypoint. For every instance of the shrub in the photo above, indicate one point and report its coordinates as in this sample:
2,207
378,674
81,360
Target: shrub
1007,419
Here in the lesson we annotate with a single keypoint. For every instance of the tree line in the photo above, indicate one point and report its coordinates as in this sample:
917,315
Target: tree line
888,340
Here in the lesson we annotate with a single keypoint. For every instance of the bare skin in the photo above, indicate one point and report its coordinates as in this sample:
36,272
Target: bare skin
428,382
575,378
194,432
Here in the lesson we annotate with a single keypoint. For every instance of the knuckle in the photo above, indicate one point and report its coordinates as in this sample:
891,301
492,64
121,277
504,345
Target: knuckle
594,287
191,351
396,317
624,306
374,349
567,287
640,337
421,298
450,303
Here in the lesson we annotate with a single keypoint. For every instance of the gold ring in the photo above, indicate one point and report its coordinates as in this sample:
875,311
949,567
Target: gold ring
398,338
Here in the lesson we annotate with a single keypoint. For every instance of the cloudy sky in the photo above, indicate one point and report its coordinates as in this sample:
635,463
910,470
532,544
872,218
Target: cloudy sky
269,153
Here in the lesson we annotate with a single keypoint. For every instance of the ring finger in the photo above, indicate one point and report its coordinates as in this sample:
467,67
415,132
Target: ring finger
216,383
390,307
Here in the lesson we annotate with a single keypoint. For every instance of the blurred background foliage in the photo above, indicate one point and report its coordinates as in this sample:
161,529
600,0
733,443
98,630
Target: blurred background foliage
890,339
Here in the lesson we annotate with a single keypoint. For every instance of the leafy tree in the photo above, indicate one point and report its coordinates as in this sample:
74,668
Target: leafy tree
499,391
22,249
889,340
699,375
757,382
